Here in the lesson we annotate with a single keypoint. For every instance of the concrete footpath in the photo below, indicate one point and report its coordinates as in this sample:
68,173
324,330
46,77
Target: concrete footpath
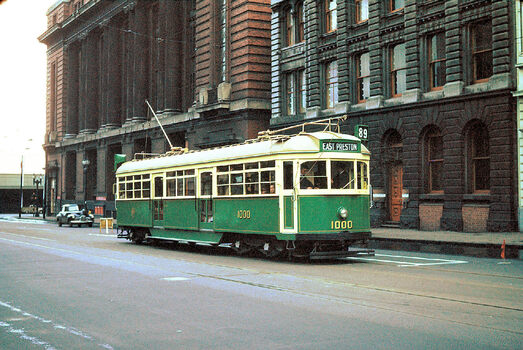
484,244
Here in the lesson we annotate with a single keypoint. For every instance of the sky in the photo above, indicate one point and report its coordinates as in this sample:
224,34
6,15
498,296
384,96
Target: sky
22,85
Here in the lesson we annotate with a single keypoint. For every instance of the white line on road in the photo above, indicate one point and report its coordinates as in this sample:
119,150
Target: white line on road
36,341
429,261
175,279
14,234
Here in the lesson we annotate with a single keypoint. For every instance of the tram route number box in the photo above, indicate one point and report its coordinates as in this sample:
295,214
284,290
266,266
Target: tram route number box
340,146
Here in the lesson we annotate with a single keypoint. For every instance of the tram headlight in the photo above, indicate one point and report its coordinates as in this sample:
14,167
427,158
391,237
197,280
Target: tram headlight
343,213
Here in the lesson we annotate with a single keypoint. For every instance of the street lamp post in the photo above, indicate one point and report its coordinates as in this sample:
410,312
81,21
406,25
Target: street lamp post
22,181
85,164
37,180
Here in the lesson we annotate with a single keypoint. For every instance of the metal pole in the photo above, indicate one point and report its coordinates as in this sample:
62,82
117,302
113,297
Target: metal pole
21,187
167,137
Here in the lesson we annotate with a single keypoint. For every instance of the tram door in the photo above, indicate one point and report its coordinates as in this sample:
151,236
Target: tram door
205,204
288,200
158,191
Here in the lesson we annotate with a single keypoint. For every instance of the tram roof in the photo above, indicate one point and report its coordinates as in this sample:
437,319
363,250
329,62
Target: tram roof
301,143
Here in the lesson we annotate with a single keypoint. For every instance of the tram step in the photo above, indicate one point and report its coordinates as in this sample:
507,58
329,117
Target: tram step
341,254
391,224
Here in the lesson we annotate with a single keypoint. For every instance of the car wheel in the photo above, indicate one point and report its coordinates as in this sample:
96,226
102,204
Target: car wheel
90,224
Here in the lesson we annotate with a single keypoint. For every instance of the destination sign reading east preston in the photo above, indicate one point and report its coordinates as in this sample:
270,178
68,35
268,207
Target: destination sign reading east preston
339,146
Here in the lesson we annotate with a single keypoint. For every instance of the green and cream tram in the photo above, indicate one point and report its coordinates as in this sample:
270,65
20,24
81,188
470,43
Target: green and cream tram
302,195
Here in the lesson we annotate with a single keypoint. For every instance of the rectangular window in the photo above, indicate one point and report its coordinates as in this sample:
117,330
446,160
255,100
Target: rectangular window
435,158
437,66
302,91
300,15
331,15
398,70
363,76
342,173
331,84
478,144
288,175
363,176
313,175
289,28
362,10
395,5
290,90
482,51
158,187
295,92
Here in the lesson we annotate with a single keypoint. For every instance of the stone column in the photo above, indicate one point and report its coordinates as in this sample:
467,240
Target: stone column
376,58
92,84
81,84
453,37
173,54
72,90
128,61
140,64
113,87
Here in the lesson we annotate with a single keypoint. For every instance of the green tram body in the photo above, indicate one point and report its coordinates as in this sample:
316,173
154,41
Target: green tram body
302,195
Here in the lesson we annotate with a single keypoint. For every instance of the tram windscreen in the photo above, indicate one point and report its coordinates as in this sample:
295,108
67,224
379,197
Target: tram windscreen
313,175
342,173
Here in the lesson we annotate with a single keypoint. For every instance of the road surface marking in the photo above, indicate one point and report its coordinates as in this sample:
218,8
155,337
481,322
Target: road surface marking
427,261
43,239
36,341
175,279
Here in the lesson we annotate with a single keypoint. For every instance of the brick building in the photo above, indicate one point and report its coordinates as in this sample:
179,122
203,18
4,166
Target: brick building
432,79
203,65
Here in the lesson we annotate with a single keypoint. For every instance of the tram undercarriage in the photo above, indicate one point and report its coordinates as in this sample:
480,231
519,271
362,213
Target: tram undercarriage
303,247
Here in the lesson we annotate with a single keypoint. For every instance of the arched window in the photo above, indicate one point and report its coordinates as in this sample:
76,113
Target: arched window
433,155
478,159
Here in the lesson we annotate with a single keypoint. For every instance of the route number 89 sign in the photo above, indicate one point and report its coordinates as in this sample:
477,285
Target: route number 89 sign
362,132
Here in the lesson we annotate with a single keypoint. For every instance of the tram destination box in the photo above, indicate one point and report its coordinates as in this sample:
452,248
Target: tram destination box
340,146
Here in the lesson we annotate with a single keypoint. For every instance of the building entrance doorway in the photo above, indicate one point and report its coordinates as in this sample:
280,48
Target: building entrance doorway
396,192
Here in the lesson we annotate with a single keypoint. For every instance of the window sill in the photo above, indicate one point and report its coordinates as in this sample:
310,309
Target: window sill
432,197
476,197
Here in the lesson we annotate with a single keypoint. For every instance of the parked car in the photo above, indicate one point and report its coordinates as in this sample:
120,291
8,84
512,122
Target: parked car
71,215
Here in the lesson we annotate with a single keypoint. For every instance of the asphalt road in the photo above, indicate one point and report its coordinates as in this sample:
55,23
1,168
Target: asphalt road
77,288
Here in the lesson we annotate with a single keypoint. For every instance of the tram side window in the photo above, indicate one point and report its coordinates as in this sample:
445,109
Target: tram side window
146,187
313,175
137,186
121,187
246,179
363,176
158,187
236,183
288,176
189,186
206,184
342,173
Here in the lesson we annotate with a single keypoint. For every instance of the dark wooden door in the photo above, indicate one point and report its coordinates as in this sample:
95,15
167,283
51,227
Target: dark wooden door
396,192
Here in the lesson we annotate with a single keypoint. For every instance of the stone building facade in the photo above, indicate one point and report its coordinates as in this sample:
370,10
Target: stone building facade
433,80
203,65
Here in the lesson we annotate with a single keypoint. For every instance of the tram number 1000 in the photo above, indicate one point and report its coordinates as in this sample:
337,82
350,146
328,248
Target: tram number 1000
341,225
243,214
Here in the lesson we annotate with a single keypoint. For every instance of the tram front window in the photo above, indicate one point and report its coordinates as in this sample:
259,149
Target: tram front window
342,173
313,175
